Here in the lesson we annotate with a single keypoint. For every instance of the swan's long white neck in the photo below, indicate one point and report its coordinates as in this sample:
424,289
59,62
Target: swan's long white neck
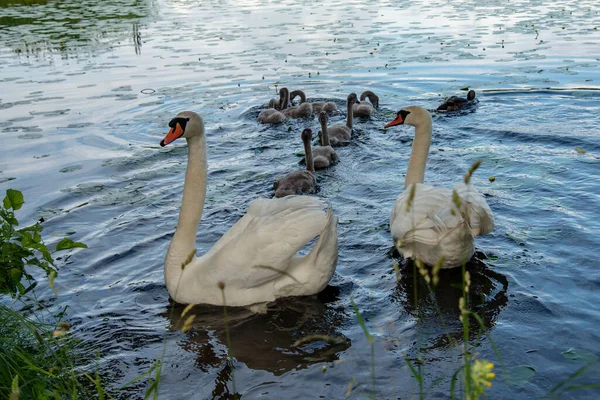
415,173
194,194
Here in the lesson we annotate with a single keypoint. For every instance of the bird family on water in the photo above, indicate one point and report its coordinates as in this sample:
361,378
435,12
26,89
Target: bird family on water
256,260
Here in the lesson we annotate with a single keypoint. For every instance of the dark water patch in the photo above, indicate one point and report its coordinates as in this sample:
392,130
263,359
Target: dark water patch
50,113
122,89
7,179
71,168
284,323
77,125
30,136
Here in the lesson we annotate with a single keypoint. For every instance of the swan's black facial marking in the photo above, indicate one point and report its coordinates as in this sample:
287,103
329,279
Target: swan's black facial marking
404,114
177,126
399,120
178,120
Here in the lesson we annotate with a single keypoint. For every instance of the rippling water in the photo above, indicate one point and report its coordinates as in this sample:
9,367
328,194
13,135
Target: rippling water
88,87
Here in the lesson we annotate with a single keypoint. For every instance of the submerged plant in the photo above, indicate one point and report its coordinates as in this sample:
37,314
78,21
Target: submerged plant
227,336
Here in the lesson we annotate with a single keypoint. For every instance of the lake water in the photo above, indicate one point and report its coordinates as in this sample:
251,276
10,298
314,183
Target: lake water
87,89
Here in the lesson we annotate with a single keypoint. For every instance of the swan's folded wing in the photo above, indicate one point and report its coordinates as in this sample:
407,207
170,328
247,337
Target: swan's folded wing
268,236
262,207
428,218
480,216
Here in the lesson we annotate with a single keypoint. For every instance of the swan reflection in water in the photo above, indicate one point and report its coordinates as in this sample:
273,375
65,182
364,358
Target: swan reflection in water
438,314
264,341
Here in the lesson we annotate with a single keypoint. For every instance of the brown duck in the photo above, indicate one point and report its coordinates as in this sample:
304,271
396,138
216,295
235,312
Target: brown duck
456,103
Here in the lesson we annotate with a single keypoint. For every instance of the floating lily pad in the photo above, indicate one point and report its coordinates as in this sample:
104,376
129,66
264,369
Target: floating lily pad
79,125
518,375
71,168
30,136
578,354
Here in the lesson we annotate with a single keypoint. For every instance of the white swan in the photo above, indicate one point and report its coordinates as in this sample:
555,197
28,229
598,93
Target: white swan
430,226
256,260
273,115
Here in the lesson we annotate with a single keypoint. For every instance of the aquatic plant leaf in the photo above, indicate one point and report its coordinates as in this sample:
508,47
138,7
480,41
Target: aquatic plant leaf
67,243
578,354
14,199
518,375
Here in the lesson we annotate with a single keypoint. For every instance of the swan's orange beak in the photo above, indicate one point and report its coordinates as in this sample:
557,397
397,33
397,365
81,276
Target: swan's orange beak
173,134
399,120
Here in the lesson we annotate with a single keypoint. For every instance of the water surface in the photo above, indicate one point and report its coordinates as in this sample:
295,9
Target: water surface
88,89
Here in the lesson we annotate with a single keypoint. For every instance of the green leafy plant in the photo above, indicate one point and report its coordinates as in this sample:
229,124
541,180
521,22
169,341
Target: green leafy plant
23,248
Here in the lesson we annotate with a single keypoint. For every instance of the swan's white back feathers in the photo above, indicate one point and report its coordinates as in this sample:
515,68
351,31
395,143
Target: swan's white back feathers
481,217
259,251
434,226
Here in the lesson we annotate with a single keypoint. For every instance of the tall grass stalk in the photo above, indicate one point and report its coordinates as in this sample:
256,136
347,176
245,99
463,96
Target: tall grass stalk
465,282
465,325
227,336
157,365
562,387
417,264
418,376
370,339
471,386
